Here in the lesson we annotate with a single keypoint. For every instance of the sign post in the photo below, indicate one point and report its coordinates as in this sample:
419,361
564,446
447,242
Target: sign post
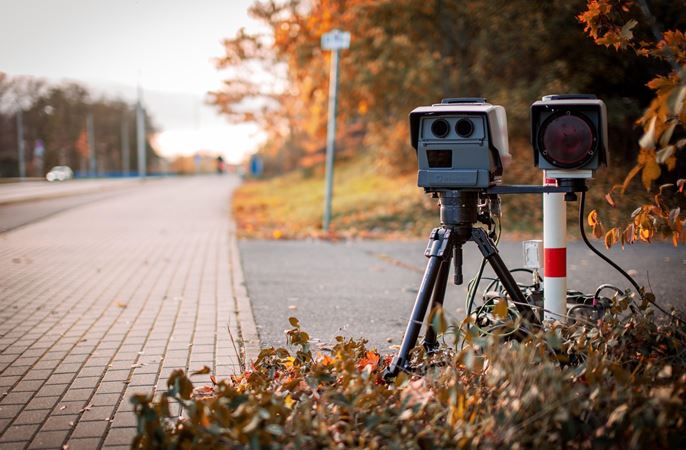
334,41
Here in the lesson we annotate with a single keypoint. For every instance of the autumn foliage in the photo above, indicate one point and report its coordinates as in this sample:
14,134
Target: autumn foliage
629,25
406,53
617,383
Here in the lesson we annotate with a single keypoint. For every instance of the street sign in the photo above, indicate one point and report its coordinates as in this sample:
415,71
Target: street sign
335,40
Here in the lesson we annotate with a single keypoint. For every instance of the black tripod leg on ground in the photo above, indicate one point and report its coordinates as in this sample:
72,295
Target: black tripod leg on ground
430,342
490,252
439,243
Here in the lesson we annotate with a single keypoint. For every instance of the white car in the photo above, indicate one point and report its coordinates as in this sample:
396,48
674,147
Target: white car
59,173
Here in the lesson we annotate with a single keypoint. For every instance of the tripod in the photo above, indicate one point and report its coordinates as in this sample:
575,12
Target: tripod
459,212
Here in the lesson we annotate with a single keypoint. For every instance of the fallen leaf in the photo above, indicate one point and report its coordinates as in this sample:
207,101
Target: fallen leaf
203,371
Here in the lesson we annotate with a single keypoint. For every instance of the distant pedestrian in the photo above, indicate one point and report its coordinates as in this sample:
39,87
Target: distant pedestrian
220,165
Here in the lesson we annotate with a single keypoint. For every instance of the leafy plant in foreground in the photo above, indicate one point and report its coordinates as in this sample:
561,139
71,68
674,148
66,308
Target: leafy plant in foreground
617,383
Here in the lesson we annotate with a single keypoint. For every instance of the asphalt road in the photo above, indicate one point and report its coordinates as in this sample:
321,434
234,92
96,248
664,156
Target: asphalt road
27,202
15,215
367,288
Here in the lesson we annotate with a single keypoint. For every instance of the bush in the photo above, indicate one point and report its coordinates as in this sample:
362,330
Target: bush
615,383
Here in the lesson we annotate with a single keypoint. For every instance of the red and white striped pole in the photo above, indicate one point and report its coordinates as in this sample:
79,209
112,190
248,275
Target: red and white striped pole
555,254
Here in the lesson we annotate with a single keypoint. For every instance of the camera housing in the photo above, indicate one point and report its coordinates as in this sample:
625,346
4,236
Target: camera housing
461,143
569,135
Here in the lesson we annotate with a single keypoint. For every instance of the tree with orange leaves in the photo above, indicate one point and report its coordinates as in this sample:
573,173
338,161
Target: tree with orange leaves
661,162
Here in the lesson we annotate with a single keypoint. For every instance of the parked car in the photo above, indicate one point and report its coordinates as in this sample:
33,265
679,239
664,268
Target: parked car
59,173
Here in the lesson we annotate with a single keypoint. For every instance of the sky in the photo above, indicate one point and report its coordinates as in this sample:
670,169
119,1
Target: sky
111,46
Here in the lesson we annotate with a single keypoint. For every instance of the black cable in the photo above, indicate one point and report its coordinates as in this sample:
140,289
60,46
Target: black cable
582,205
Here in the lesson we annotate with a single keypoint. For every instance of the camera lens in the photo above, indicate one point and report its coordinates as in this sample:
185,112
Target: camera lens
464,127
567,140
440,128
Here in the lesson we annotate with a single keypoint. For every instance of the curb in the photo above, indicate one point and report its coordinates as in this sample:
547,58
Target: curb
249,337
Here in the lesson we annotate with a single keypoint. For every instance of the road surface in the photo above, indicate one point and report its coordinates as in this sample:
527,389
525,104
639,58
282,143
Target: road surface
367,288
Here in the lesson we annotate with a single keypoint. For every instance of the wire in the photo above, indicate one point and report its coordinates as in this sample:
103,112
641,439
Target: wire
582,205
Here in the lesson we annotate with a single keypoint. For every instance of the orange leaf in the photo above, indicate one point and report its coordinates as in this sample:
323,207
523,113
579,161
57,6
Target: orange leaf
598,230
611,237
632,173
500,309
371,358
610,200
646,234
592,218
651,172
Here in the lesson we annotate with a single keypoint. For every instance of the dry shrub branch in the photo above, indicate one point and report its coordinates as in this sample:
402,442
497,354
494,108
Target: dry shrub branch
616,383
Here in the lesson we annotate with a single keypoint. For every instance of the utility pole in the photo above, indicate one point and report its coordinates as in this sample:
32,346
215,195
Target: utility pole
140,135
20,144
91,145
334,40
125,148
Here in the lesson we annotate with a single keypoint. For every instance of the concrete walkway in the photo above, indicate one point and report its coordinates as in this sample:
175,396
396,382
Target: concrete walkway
105,300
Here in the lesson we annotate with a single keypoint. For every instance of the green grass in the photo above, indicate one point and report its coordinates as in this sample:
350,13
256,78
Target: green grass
371,202
366,203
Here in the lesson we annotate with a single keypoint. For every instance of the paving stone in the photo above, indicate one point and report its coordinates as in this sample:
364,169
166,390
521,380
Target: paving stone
84,444
95,413
90,429
50,390
16,398
72,407
42,402
60,422
36,416
78,394
10,411
120,436
18,433
49,439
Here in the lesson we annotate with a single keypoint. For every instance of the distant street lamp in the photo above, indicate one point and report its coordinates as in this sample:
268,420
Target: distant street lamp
140,135
20,144
334,40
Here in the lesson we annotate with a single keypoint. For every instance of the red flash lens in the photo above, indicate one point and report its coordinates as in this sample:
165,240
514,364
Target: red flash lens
567,140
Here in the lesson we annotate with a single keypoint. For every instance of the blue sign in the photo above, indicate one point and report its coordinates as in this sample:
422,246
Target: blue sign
256,165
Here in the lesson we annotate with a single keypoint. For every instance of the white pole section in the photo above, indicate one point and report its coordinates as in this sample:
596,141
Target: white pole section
555,254
20,144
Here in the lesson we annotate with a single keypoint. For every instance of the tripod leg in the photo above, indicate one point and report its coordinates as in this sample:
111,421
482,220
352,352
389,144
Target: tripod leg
491,254
430,343
439,242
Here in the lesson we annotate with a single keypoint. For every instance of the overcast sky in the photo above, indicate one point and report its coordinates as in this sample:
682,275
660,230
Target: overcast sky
112,45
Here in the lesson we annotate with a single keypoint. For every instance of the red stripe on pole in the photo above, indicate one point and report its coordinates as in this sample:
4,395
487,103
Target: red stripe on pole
555,264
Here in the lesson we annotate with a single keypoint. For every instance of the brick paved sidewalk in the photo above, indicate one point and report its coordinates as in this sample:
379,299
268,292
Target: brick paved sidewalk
105,300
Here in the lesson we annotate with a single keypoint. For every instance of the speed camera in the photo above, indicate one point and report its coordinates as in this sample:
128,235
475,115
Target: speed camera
461,143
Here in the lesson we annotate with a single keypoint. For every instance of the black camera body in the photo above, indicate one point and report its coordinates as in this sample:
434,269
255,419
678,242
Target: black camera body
569,135
461,143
